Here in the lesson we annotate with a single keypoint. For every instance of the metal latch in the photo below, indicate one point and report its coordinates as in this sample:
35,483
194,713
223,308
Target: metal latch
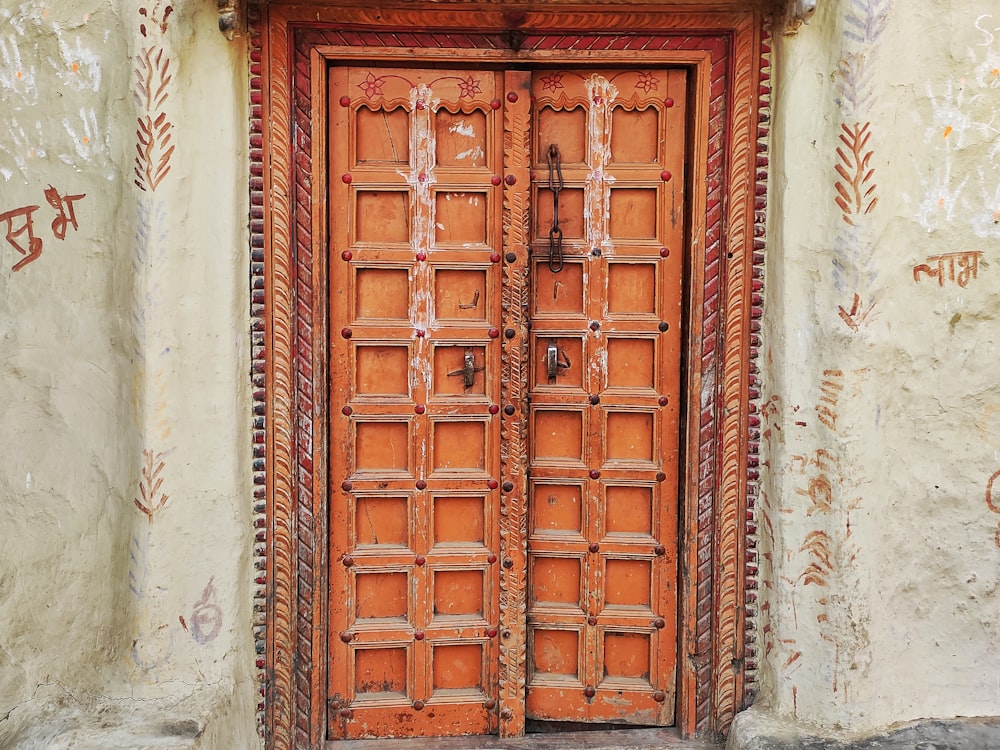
555,360
469,369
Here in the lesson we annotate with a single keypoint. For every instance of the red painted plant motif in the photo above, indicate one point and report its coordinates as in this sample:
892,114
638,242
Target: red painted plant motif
859,313
153,147
151,499
820,566
992,504
856,186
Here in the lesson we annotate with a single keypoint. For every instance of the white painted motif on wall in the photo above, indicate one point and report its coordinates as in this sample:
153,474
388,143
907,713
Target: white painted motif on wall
964,116
35,79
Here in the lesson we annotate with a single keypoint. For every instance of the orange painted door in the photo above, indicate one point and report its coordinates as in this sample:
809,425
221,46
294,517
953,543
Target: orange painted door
420,196
415,384
605,396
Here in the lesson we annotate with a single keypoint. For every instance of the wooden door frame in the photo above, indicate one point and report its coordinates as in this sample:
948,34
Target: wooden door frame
725,48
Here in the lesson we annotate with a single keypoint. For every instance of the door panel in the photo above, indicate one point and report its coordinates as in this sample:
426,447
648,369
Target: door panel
416,218
602,559
414,374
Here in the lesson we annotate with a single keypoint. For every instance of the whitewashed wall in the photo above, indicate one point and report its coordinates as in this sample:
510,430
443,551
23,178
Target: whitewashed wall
125,482
879,530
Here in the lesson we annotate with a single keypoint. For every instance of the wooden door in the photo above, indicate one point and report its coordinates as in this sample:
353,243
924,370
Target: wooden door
416,216
415,385
604,397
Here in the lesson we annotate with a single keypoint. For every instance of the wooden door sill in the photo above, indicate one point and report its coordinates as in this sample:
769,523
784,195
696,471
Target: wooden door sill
620,739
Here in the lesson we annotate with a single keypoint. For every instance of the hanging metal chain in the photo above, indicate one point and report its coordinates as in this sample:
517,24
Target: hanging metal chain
555,233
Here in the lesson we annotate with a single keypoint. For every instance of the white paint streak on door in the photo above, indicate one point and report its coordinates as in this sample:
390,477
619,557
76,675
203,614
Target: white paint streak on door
597,189
597,194
420,178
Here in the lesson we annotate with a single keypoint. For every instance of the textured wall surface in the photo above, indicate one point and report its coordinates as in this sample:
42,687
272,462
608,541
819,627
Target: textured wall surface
124,367
879,534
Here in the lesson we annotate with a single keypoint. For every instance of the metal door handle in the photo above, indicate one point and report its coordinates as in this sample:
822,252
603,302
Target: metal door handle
555,360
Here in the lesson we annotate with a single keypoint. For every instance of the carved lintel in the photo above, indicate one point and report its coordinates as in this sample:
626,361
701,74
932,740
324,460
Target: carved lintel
231,15
797,12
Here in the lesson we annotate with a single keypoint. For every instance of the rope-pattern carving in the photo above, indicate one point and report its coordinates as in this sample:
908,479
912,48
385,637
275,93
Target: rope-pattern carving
754,391
308,553
513,429
731,491
280,569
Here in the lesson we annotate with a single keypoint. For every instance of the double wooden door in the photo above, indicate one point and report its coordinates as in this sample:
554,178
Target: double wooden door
505,264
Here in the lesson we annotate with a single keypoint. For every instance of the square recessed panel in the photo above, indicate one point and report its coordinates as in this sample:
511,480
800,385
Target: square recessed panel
381,370
380,595
558,434
383,136
382,446
633,214
459,370
380,670
457,667
460,295
566,128
459,592
558,293
631,363
629,436
635,135
459,446
461,138
382,294
628,509
382,216
631,288
460,218
556,508
627,655
567,355
627,583
570,213
555,652
381,521
459,520
555,581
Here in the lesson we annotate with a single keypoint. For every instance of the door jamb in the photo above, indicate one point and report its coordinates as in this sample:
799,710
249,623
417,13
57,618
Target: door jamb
293,477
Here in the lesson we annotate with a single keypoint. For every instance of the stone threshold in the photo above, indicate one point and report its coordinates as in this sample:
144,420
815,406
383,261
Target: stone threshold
758,729
619,739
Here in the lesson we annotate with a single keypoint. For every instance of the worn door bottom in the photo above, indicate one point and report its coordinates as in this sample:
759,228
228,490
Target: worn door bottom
628,739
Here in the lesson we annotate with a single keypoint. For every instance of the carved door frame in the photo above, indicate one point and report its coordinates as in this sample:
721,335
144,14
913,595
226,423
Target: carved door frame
725,49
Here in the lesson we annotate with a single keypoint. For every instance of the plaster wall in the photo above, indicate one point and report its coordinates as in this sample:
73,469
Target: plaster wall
878,527
124,485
